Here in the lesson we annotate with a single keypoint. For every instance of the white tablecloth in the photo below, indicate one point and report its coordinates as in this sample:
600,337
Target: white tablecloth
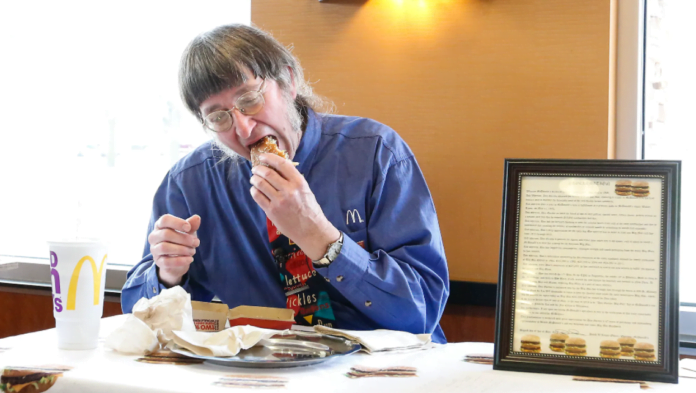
439,370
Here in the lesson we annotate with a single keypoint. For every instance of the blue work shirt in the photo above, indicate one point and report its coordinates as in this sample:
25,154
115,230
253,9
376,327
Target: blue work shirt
368,184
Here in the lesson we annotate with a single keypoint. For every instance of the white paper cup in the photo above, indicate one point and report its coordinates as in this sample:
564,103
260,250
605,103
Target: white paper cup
78,274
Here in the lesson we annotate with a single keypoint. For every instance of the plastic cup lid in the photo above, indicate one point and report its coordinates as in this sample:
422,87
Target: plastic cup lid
76,242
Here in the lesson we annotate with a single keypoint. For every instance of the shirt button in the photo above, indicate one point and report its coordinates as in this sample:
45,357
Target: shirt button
339,278
327,279
154,289
368,303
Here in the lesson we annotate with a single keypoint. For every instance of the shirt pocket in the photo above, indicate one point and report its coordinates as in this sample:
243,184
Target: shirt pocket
360,237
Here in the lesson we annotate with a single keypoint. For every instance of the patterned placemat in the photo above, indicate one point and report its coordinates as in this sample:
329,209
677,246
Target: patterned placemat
169,357
643,384
394,371
479,358
252,381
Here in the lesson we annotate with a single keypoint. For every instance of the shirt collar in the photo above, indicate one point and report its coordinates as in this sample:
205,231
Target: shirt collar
310,140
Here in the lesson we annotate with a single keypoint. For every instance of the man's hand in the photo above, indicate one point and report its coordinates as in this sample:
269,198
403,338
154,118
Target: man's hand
173,243
283,193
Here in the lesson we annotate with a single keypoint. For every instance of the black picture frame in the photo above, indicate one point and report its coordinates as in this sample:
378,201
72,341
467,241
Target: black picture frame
665,367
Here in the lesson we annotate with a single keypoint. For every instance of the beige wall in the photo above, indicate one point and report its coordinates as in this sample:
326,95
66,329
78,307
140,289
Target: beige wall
466,83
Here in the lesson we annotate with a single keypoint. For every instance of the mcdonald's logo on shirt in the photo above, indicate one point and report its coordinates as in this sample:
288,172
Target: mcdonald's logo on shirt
351,214
97,276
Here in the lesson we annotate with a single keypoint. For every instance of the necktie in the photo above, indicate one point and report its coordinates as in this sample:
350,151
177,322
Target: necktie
304,288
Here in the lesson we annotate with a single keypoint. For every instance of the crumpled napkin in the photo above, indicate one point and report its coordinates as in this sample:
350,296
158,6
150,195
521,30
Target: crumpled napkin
381,340
133,337
170,310
152,322
224,343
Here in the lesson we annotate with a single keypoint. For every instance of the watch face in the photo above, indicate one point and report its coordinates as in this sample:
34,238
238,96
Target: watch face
334,250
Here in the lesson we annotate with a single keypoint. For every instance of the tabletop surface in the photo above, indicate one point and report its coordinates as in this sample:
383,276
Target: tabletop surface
441,369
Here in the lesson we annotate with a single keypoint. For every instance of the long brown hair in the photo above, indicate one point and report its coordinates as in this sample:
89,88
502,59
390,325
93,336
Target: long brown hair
217,60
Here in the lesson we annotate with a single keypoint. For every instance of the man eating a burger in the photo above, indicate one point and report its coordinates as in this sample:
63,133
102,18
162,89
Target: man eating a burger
333,220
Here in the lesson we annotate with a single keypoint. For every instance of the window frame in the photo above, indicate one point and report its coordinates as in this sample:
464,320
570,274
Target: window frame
33,273
630,61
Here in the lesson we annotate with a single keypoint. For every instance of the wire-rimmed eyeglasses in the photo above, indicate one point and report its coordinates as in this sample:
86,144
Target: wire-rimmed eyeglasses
249,103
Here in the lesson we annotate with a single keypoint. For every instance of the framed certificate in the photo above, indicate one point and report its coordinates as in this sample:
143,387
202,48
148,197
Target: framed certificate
588,280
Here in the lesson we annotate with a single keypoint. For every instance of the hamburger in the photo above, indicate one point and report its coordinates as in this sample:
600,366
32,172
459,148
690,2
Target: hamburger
627,344
267,144
644,352
610,349
575,346
624,188
557,343
28,380
531,344
640,188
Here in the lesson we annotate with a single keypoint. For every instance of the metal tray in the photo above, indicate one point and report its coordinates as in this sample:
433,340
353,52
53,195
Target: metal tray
287,349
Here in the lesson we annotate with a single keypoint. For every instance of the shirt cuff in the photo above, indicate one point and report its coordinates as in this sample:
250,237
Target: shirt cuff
155,286
349,268
152,282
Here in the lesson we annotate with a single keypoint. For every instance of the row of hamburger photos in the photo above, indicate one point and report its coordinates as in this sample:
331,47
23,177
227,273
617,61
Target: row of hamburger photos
576,346
639,189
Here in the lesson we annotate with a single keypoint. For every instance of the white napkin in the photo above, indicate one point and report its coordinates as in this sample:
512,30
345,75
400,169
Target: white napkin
133,337
170,310
381,340
153,318
225,343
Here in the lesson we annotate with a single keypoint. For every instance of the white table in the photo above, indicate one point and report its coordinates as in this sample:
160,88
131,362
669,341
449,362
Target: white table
439,370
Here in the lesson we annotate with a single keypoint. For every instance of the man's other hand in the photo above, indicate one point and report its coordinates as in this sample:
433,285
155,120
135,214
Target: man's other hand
173,243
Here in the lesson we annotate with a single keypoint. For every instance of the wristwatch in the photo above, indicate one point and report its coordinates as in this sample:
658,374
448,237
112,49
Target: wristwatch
331,253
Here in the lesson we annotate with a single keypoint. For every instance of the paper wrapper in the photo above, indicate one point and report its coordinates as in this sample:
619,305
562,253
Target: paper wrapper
381,340
225,343
168,311
133,337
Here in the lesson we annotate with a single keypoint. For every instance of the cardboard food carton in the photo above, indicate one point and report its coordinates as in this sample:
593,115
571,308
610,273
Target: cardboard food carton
263,317
209,317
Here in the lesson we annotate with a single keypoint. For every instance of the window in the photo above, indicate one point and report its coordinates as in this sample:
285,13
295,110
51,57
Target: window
670,95
656,82
91,116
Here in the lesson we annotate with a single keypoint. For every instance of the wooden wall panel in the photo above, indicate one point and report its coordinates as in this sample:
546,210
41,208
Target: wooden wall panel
466,83
26,311
465,323
29,311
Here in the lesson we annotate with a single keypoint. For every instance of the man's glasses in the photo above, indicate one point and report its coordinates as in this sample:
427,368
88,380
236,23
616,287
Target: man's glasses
249,103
